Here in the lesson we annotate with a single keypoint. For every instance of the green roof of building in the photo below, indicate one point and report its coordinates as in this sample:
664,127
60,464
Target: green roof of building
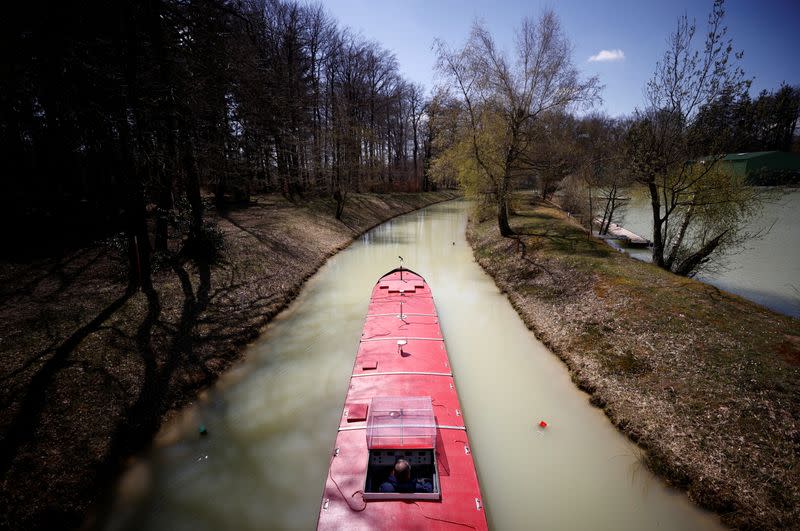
766,168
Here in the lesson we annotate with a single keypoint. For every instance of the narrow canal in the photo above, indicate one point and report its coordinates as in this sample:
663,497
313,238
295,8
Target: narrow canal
272,421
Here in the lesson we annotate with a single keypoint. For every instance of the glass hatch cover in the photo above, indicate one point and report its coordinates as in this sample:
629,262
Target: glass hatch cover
401,422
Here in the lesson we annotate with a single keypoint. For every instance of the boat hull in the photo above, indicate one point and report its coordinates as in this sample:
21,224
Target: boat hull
419,367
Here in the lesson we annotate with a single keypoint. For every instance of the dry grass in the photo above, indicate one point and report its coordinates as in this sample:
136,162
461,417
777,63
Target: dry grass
706,382
89,372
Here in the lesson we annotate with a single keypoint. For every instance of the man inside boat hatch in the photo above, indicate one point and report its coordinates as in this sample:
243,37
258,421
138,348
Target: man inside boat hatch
400,480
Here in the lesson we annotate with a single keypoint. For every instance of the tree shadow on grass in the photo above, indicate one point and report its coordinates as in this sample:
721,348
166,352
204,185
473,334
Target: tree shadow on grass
577,245
142,418
225,320
22,427
65,270
160,360
275,246
561,237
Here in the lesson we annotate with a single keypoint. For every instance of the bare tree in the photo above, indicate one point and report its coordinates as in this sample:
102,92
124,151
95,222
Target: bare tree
600,151
551,155
503,97
417,109
698,211
442,114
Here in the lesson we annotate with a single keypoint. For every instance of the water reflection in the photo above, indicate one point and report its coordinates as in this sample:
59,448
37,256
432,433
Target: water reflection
273,420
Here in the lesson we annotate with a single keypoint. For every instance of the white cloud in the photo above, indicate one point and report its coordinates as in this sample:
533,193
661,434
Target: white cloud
608,55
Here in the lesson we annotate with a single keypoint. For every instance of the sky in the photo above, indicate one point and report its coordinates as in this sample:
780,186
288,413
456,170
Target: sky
624,38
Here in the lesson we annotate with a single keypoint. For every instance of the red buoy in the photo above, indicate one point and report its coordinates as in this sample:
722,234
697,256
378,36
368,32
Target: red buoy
542,424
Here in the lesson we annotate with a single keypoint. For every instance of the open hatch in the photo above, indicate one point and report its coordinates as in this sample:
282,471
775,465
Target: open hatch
401,428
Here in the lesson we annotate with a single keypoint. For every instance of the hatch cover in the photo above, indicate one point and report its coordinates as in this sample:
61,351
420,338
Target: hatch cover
357,412
401,422
407,286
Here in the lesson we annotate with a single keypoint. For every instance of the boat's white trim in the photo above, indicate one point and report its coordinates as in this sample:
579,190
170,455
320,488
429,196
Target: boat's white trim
438,426
395,314
403,338
424,373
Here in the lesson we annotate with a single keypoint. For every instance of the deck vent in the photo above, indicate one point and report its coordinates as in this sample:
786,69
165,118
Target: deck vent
356,412
401,422
398,286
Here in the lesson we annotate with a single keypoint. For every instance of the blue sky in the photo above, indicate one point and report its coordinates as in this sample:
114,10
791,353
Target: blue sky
767,31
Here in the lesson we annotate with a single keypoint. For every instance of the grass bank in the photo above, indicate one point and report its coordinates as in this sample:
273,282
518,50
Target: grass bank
90,372
707,383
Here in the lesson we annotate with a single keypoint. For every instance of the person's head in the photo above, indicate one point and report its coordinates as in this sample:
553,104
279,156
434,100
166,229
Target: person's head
402,470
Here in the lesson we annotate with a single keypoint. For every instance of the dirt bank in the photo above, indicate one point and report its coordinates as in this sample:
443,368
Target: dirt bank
90,372
706,382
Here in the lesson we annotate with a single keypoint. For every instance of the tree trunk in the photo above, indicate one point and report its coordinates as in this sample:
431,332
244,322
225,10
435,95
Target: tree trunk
608,213
658,241
134,203
340,200
688,266
167,107
219,193
679,240
138,247
502,218
193,189
163,209
415,153
136,222
611,210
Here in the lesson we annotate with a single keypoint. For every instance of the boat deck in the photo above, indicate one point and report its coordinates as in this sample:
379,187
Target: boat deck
421,367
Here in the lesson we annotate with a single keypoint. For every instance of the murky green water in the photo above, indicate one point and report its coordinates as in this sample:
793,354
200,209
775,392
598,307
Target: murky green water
766,270
272,422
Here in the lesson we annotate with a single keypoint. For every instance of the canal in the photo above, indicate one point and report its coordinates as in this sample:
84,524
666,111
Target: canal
272,420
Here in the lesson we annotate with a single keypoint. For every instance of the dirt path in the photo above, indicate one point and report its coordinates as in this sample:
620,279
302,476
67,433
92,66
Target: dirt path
706,382
88,372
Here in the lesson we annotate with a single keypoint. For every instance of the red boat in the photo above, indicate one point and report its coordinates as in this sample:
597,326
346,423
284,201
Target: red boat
402,404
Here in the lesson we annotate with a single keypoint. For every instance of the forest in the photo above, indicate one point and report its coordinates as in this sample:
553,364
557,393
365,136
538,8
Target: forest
126,118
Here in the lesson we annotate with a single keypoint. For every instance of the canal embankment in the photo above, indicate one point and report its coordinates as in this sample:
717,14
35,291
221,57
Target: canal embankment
706,382
273,419
90,372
